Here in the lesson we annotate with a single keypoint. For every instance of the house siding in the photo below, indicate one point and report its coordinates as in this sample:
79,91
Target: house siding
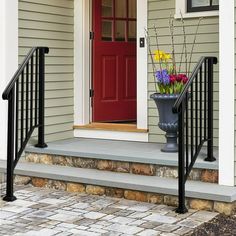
207,45
51,24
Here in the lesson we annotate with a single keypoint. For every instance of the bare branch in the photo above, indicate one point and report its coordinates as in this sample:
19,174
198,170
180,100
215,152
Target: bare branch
194,42
147,36
157,43
185,43
171,28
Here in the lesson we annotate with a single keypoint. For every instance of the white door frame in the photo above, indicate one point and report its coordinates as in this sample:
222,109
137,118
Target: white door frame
82,73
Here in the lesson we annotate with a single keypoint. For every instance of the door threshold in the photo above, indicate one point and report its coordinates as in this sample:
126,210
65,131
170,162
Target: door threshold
112,127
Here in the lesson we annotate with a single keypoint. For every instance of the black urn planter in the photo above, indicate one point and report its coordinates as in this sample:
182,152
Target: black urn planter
168,121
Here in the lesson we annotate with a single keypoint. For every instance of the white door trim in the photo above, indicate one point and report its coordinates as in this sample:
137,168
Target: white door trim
82,76
113,135
81,62
8,59
226,93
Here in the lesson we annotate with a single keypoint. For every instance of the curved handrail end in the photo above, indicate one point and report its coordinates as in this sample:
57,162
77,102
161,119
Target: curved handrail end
215,60
5,95
46,50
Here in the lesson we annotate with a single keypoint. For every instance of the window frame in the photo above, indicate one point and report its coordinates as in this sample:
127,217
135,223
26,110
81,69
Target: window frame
190,8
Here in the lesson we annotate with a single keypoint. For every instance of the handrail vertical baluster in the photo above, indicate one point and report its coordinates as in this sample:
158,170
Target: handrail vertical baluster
210,156
17,119
187,131
196,113
41,142
36,88
27,101
10,147
22,108
31,90
200,109
205,99
191,125
181,168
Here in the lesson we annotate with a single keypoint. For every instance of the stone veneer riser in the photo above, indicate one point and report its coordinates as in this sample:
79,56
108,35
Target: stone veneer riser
193,203
204,175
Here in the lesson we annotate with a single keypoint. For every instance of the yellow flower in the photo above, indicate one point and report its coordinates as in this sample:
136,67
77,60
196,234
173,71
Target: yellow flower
158,55
167,57
161,56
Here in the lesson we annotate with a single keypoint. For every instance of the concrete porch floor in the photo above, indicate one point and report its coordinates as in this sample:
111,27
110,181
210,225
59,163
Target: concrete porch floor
148,153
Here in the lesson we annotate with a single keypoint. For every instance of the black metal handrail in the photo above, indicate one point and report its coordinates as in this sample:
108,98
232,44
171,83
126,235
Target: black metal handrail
25,95
195,122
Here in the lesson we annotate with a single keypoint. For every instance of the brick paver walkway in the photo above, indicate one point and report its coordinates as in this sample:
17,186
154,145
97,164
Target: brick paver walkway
47,212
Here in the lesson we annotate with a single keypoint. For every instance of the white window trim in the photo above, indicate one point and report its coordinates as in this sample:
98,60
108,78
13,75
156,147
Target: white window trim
226,94
8,60
82,68
181,6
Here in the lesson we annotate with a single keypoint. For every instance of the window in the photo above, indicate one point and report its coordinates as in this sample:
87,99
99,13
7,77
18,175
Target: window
118,20
202,5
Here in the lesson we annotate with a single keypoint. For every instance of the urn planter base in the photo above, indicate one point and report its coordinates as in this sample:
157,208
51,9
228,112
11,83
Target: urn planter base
168,121
171,143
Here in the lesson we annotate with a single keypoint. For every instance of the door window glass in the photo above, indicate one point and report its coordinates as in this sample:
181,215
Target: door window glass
121,8
107,8
107,30
118,20
132,31
120,30
132,9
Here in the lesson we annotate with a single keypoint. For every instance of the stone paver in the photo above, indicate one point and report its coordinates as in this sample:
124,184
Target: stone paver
43,212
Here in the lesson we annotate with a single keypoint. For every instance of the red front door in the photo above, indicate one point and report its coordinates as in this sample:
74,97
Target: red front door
114,60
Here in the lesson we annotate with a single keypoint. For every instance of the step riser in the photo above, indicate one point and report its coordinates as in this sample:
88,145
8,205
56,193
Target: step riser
204,175
156,198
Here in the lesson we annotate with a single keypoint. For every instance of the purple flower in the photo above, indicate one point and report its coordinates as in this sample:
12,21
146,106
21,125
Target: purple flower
163,77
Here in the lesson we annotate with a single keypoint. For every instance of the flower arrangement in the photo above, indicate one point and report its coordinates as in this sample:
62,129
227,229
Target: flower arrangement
169,80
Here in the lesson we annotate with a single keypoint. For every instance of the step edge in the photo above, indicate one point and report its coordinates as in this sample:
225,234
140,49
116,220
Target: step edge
173,163
171,183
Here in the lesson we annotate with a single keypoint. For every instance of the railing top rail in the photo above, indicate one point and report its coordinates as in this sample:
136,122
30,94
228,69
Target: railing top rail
10,85
182,95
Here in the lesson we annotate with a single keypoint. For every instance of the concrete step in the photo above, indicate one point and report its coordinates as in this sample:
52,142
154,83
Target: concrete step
151,184
120,156
125,151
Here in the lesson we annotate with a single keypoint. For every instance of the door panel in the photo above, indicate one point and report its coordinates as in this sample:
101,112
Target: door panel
109,81
130,78
114,60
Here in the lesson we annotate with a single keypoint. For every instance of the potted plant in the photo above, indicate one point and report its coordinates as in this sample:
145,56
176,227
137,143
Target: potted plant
169,82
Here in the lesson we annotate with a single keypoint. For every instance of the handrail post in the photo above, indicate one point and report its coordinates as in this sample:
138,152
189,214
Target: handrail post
41,134
210,156
10,148
181,167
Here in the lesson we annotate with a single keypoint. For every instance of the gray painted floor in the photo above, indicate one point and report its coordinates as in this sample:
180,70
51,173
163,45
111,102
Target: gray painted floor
120,151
